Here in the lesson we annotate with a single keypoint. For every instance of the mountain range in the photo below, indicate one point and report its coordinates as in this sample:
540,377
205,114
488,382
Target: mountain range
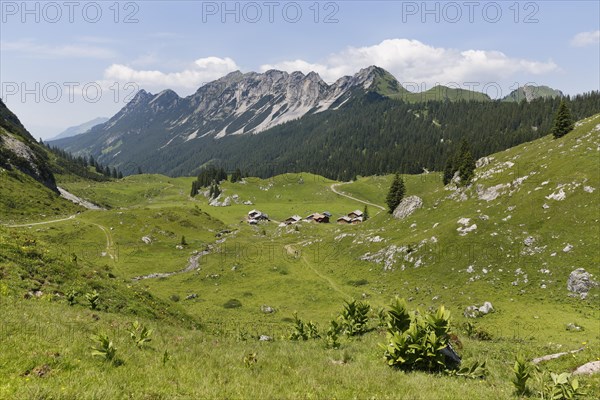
152,130
81,128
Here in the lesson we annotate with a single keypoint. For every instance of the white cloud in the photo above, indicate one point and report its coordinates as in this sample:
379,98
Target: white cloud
414,61
583,39
36,50
201,71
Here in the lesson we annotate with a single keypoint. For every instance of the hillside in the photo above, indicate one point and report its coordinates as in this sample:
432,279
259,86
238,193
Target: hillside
530,93
28,175
512,238
81,128
367,136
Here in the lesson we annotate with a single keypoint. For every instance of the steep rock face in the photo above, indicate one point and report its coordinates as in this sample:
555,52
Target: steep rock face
19,150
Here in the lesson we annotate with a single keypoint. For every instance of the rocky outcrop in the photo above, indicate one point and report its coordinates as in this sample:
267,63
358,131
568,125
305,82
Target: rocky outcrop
408,206
580,282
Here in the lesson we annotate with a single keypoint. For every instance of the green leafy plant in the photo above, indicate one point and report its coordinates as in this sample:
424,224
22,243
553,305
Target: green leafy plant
354,318
562,387
93,299
104,348
475,332
166,357
304,331
420,342
398,317
332,338
71,297
250,360
140,334
477,370
522,370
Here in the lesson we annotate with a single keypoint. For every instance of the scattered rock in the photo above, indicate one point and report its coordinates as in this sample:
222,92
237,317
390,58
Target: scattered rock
483,161
146,239
492,192
571,327
464,221
216,203
476,311
191,296
265,338
267,309
580,282
556,355
407,206
558,196
592,367
486,308
462,231
471,312
568,248
529,240
588,189
179,247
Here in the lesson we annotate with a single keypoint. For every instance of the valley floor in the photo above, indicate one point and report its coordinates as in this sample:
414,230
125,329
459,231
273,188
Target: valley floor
215,284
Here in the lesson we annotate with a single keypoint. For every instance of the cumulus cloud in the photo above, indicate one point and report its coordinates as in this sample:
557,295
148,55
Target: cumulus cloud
583,39
201,71
414,61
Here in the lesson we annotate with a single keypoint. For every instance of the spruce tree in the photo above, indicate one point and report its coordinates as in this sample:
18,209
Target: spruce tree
466,169
449,170
366,213
563,121
395,194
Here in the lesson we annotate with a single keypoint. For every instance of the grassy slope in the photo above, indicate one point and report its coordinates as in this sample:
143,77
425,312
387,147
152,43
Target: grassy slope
258,266
440,93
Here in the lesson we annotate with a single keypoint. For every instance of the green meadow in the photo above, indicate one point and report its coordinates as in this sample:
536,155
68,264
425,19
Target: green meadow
502,240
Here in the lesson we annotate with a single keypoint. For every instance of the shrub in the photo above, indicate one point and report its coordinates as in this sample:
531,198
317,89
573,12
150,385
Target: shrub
232,303
359,282
175,298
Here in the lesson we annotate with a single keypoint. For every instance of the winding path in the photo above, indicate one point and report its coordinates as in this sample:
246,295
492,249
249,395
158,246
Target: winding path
110,244
290,250
42,223
333,189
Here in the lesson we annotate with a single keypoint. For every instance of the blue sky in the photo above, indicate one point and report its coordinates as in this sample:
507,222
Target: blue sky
51,51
